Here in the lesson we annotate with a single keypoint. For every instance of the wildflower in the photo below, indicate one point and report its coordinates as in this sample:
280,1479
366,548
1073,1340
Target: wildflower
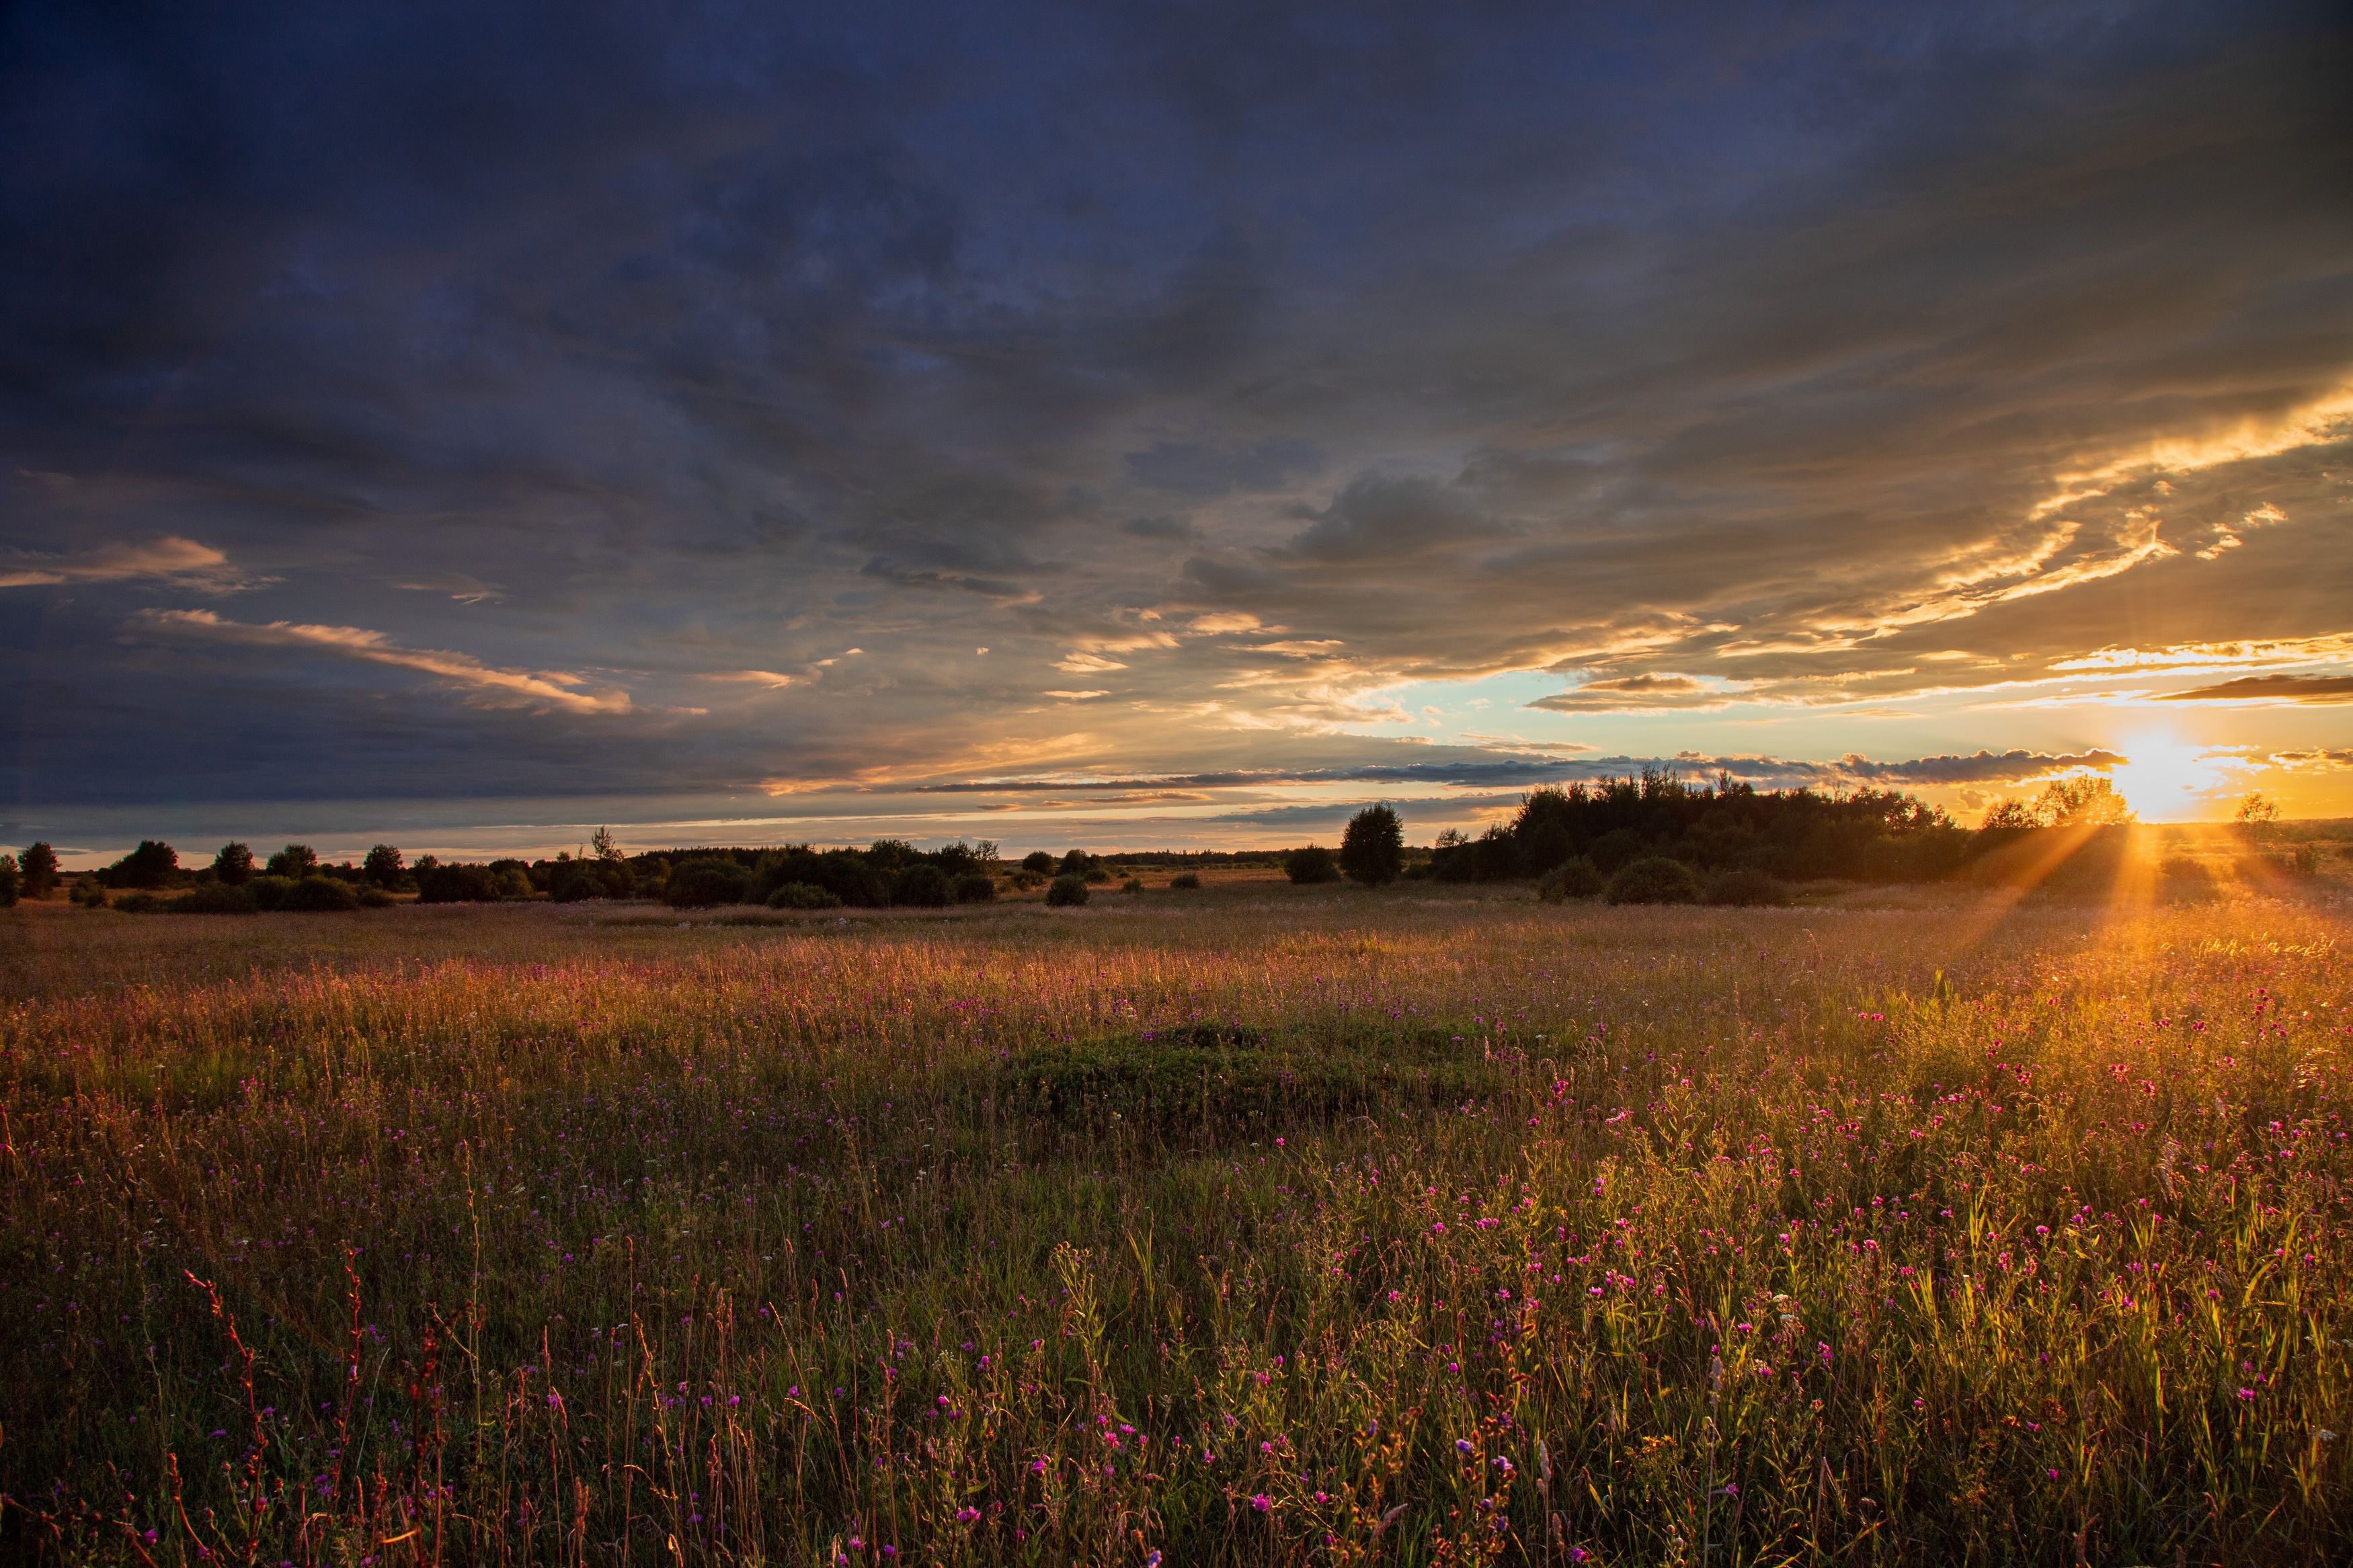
1260,1501
1462,1444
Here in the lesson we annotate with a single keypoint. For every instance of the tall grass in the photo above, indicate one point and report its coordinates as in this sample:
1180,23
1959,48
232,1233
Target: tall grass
1289,1229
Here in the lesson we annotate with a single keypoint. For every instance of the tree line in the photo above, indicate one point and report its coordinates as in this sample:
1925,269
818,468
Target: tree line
1643,839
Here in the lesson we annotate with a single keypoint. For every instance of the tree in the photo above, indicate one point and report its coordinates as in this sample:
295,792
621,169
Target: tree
38,866
2256,812
2012,816
1039,861
2082,800
1372,851
385,867
1067,891
233,864
149,866
601,845
296,860
11,880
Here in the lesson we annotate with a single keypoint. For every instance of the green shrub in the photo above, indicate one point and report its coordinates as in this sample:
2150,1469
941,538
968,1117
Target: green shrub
216,898
1312,864
803,895
975,888
1025,880
1655,880
1746,885
921,886
1067,890
1132,885
89,893
319,895
1371,850
1575,878
1185,882
1039,862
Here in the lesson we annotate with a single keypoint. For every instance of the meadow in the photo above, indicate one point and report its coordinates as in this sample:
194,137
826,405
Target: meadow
1256,1225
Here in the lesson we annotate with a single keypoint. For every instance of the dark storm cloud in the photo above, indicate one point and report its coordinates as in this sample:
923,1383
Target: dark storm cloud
625,366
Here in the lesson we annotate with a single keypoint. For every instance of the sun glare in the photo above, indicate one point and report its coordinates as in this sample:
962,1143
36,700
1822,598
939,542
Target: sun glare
2164,778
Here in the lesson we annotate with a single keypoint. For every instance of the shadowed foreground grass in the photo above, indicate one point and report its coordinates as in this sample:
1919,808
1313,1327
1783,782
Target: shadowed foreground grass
1263,1229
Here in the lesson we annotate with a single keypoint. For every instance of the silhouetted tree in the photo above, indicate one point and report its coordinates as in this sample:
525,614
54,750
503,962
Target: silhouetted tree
1039,861
296,860
38,865
1371,850
385,867
11,880
233,864
149,866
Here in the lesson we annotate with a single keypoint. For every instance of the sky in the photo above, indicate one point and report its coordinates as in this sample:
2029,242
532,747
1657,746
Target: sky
1153,424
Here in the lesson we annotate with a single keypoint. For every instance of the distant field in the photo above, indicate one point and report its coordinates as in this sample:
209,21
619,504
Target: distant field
1260,1225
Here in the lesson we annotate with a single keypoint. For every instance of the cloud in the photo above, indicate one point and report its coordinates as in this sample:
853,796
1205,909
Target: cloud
482,682
773,680
2271,688
1275,359
183,561
1983,767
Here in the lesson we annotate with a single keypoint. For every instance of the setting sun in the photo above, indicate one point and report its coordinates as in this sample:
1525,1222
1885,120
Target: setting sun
2167,779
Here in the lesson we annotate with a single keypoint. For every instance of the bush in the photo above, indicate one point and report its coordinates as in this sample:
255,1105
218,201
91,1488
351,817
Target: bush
1655,880
216,898
1747,886
1312,864
1039,862
374,898
1185,882
1132,885
1067,890
457,885
1077,863
921,886
140,903
234,864
1371,850
975,888
705,884
803,895
1575,878
89,894
1025,880
319,896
